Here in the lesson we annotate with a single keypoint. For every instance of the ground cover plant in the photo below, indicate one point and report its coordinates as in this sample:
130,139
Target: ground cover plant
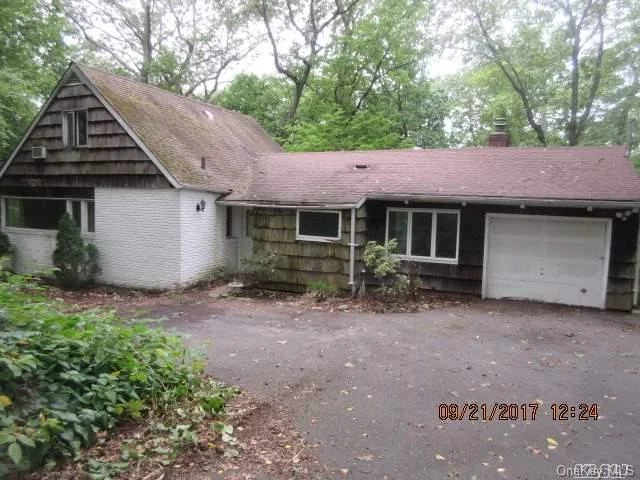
67,379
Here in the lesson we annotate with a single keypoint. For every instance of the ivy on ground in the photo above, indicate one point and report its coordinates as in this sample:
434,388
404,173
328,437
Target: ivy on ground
65,378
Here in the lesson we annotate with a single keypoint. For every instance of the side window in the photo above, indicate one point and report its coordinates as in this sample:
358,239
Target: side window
75,128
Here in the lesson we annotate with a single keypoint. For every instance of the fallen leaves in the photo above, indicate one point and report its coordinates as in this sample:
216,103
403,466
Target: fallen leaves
367,457
552,444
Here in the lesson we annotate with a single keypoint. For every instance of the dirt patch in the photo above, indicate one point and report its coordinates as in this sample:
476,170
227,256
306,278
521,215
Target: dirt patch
266,446
141,304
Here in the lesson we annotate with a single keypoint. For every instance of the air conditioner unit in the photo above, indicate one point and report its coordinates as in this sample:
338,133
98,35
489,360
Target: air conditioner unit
39,153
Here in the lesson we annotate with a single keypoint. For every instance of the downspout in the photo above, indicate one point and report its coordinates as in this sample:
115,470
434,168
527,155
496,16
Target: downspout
352,253
636,277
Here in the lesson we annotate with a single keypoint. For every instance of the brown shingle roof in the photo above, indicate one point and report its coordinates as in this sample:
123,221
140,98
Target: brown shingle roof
560,173
180,131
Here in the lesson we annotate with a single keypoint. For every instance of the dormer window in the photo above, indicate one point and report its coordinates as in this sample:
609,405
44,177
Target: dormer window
74,128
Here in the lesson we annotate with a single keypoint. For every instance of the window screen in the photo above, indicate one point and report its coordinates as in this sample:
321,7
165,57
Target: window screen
319,224
447,235
74,129
35,212
91,216
76,212
398,228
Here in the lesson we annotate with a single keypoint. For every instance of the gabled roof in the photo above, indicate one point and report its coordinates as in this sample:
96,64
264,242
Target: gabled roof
176,132
179,131
558,173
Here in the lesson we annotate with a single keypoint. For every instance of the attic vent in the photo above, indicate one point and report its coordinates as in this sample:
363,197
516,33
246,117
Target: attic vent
73,78
361,166
208,114
38,153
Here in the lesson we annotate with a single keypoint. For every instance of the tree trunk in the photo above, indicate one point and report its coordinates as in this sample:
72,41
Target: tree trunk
147,48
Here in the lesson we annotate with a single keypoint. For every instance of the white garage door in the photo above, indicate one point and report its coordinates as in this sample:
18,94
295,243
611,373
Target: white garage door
551,259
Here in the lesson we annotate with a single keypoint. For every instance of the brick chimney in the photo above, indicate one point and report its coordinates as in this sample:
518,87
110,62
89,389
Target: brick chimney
500,138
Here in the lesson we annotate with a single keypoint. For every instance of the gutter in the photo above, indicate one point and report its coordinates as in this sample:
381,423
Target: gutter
636,276
528,202
326,206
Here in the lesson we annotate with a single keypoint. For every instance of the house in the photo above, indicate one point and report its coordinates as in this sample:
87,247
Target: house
169,189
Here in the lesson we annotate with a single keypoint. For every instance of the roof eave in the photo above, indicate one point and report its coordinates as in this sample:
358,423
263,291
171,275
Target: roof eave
527,201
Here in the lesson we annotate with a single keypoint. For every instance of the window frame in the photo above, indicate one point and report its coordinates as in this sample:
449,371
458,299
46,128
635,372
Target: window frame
314,238
84,216
434,234
76,127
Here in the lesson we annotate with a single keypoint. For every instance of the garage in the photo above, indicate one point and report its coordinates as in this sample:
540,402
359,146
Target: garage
546,258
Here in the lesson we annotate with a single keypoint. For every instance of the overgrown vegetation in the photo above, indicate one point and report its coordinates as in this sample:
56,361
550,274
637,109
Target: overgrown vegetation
67,378
380,261
321,290
75,262
6,253
259,266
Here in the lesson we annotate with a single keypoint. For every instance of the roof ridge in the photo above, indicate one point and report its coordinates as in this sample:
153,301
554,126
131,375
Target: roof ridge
155,87
446,149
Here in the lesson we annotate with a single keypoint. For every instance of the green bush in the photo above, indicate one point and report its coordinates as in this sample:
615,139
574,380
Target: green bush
66,377
5,245
321,290
75,262
380,261
260,265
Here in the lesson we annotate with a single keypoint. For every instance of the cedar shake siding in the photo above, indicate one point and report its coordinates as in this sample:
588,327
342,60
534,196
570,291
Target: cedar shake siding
300,262
466,276
111,158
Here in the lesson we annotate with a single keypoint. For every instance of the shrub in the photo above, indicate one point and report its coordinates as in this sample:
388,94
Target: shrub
380,261
322,290
5,245
6,254
66,377
75,262
260,265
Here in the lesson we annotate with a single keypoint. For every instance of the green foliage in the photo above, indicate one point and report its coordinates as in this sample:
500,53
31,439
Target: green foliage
33,56
5,245
260,265
75,262
66,377
264,98
379,258
380,261
322,290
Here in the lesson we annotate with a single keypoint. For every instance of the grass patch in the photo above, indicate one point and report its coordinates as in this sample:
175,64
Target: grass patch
68,379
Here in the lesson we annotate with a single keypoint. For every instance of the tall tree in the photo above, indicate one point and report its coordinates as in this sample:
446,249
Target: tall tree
551,52
264,98
181,45
308,21
32,56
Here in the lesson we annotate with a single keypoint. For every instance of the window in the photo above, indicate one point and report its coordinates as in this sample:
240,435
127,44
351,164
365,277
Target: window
74,128
76,212
40,213
91,216
229,222
425,234
45,213
318,225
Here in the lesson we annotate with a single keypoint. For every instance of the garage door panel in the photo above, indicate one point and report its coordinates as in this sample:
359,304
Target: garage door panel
551,259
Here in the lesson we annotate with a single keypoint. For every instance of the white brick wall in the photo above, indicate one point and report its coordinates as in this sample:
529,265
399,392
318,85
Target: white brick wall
147,238
33,249
138,236
200,246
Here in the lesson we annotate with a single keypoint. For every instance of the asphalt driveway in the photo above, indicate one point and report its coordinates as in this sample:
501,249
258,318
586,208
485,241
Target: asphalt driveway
365,389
